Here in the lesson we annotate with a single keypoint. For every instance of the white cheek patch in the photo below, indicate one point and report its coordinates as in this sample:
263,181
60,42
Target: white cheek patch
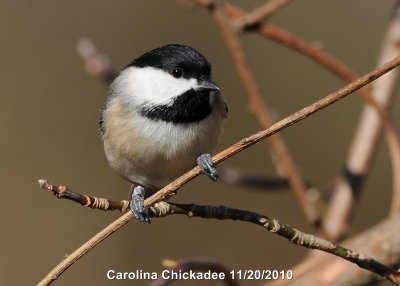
151,86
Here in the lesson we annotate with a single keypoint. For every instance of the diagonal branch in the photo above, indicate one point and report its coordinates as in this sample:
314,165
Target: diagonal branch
222,156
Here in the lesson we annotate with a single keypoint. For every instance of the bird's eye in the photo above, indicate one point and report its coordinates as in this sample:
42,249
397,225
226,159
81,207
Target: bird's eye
177,72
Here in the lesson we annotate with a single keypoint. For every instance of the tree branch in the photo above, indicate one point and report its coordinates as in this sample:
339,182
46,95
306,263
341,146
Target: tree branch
63,192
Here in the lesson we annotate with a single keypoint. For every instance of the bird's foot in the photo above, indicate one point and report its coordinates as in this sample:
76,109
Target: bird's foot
207,166
136,205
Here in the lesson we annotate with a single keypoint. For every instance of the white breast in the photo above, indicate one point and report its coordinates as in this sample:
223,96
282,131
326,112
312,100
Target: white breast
153,153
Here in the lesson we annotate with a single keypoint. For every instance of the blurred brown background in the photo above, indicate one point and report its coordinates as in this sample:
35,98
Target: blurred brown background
48,126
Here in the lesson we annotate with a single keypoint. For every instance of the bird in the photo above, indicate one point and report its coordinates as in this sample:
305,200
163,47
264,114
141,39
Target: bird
162,117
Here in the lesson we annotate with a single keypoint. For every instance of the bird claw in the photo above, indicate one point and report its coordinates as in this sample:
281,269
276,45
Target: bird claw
136,205
207,166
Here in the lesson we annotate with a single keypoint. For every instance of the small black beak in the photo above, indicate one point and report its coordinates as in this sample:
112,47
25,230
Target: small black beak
208,84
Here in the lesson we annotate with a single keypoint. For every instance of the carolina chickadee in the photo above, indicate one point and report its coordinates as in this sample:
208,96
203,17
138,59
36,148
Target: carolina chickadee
163,113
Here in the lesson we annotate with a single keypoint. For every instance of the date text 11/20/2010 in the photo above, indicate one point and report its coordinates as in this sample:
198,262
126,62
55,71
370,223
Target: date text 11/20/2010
261,274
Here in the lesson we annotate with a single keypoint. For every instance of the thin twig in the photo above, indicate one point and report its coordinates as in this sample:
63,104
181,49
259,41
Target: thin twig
261,113
63,192
259,14
225,154
202,264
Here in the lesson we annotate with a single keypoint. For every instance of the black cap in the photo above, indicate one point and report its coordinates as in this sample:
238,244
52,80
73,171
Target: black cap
191,62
